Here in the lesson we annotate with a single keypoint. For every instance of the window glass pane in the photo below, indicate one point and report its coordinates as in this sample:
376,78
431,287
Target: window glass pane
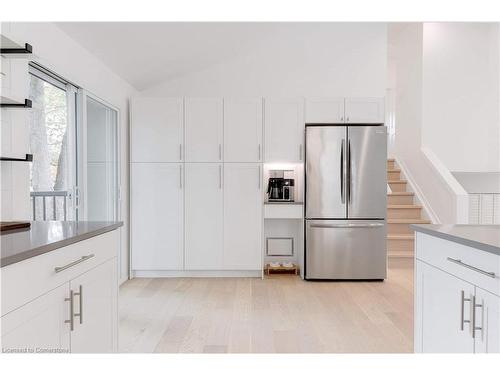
49,142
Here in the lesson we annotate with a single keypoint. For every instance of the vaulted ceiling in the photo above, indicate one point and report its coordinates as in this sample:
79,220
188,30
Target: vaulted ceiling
144,54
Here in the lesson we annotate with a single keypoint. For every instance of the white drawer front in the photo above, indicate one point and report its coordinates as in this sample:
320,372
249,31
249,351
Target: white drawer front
283,211
26,280
447,256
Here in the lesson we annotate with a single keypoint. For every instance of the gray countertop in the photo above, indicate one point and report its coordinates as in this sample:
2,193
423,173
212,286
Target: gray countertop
45,236
482,237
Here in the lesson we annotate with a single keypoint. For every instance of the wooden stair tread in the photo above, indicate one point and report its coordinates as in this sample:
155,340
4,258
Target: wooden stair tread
400,254
400,237
396,181
391,159
408,221
404,206
404,193
393,170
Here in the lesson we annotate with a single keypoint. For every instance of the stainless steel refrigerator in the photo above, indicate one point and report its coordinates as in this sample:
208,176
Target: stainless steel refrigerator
346,202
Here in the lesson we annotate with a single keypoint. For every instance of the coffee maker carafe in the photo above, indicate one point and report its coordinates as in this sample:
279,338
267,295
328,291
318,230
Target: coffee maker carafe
275,188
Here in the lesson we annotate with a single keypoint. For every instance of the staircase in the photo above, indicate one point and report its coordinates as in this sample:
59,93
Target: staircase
401,212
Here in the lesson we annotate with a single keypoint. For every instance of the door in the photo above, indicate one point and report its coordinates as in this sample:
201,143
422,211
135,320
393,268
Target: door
364,110
96,310
100,176
157,216
242,216
326,159
203,237
324,110
366,165
445,311
487,322
284,129
40,324
204,129
339,249
243,130
156,130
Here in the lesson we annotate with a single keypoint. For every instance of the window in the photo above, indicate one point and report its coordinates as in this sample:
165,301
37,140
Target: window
52,143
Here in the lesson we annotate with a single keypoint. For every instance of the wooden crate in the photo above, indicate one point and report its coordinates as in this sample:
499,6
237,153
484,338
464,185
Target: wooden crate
281,270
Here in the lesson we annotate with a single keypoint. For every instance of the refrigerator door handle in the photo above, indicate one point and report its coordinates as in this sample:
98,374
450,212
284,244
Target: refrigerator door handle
348,182
342,187
371,225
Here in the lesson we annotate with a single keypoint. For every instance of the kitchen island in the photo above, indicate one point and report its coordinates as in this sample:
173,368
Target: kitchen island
457,288
60,287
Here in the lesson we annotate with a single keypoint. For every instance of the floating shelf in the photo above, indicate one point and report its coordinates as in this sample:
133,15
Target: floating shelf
28,158
27,104
9,48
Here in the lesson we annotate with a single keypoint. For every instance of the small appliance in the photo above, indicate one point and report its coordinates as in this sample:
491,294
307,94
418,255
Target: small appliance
279,188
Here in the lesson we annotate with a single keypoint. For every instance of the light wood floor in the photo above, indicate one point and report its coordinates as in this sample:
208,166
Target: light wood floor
280,314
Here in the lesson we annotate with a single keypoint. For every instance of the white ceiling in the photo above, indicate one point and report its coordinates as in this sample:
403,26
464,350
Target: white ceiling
147,53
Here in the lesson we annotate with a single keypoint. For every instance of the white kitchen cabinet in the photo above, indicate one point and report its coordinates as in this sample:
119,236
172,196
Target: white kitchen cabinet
364,110
96,303
324,110
284,130
203,216
39,323
242,216
487,335
243,130
444,328
157,216
204,129
457,302
156,130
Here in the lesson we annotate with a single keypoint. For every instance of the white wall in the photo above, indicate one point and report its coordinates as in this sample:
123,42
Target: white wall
461,122
318,59
56,51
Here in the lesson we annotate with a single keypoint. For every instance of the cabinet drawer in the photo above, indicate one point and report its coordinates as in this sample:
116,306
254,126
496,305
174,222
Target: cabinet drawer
445,255
26,280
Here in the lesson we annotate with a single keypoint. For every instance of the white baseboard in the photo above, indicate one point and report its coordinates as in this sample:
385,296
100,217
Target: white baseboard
429,212
211,273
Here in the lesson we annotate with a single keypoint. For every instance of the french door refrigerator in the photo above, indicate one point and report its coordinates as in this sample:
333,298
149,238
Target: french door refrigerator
346,195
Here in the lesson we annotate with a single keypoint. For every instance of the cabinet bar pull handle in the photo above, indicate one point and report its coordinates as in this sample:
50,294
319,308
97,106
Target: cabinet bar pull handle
71,320
342,187
258,187
474,328
180,151
260,157
460,263
220,151
220,176
300,152
82,259
180,176
80,301
462,303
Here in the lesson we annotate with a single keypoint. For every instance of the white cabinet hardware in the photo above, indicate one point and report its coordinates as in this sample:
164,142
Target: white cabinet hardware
71,319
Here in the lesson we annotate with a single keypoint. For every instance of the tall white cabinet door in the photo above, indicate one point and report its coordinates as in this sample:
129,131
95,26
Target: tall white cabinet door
203,216
243,130
441,311
324,110
364,110
157,216
156,130
39,323
96,310
284,130
242,216
204,129
487,335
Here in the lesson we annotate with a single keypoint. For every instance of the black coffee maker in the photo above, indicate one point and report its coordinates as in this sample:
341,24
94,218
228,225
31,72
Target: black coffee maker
280,189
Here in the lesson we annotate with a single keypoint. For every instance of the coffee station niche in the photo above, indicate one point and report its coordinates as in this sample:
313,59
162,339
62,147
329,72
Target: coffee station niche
283,218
